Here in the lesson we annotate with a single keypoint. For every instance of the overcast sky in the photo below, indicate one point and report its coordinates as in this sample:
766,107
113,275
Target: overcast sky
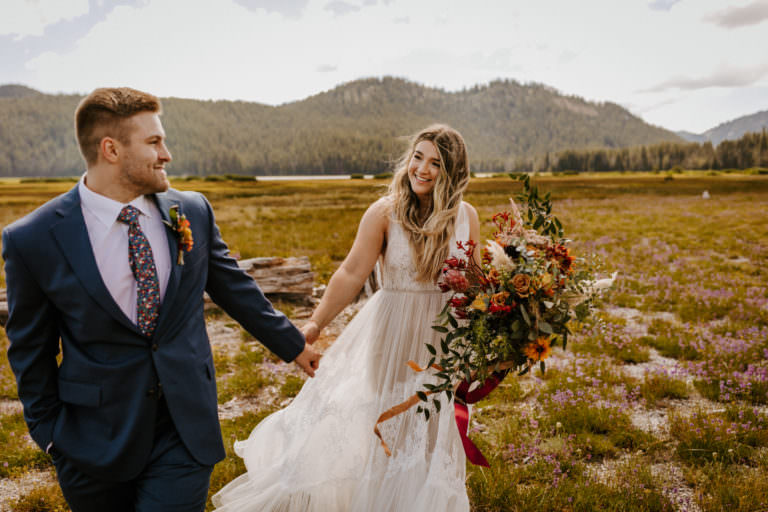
680,64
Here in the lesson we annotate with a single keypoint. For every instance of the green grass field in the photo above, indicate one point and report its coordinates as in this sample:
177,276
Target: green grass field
660,403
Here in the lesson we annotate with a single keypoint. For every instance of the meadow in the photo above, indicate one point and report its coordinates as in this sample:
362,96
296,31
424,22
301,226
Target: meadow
660,402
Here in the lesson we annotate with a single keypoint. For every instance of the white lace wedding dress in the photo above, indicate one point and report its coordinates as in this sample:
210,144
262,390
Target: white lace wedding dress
320,454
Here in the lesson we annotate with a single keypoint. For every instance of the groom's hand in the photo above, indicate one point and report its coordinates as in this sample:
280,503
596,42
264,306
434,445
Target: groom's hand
308,360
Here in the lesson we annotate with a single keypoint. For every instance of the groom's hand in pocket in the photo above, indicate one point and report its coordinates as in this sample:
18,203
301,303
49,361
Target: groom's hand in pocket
308,360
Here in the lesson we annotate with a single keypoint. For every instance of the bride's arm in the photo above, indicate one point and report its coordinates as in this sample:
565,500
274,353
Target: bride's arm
347,281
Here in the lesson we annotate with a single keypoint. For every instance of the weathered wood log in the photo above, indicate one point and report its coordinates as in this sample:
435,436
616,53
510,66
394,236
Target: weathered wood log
279,278
3,307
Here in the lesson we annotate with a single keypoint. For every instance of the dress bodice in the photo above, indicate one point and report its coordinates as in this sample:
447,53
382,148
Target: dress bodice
396,264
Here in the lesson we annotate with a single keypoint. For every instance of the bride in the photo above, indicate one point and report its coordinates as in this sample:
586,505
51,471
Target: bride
320,453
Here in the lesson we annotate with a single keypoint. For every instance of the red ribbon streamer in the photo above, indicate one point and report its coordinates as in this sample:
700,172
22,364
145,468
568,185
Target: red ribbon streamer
460,410
461,413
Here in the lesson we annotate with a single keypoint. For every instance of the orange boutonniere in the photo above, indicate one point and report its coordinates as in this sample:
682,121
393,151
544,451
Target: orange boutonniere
181,228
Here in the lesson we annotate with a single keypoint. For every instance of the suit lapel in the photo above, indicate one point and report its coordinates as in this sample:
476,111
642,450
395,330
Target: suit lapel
164,204
72,237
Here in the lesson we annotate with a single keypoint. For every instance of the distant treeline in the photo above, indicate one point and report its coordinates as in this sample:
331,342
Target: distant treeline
751,150
356,127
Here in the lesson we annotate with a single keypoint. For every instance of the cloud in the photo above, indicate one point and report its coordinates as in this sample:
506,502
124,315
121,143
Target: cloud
726,77
326,68
22,18
288,8
340,8
401,19
662,5
735,17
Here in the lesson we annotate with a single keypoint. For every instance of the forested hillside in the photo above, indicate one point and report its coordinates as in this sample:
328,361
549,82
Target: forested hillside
355,127
730,130
751,150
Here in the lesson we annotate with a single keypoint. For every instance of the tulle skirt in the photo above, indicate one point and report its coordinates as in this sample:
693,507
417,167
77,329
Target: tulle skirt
320,453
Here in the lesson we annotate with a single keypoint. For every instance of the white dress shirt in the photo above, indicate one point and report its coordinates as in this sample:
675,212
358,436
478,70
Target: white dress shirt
109,241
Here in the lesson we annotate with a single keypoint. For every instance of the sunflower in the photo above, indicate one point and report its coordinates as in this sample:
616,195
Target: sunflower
539,349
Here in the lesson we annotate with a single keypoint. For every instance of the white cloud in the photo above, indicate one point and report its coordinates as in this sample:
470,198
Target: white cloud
662,5
256,50
21,18
724,76
340,8
735,17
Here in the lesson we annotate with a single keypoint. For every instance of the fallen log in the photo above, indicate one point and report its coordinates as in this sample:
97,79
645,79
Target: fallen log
3,307
279,278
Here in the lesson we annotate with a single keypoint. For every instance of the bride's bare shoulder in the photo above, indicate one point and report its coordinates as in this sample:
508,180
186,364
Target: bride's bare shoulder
471,211
381,208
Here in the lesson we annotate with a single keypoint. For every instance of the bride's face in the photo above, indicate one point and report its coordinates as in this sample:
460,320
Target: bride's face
424,168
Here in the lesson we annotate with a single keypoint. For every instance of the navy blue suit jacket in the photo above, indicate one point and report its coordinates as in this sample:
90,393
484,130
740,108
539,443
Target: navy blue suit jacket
98,407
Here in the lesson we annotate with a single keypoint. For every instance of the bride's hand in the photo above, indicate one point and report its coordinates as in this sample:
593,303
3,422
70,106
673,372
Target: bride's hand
311,331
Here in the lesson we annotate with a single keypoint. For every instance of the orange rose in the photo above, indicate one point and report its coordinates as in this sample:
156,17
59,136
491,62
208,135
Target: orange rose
522,285
499,298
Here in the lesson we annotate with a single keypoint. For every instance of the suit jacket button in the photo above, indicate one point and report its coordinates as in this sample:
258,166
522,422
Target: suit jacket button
151,393
154,347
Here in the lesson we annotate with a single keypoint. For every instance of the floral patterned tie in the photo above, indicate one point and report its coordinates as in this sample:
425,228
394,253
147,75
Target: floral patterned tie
144,271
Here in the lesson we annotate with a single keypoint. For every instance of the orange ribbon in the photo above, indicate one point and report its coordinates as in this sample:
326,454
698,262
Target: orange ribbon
414,399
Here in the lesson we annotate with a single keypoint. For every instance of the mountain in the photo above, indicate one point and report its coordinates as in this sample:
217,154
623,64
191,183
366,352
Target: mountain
730,130
691,137
355,127
17,91
733,130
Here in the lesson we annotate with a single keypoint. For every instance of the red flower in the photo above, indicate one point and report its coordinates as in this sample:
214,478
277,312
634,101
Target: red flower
452,262
459,302
499,308
468,247
456,280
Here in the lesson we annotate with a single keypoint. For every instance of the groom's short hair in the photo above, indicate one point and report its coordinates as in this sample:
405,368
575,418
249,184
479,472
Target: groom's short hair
103,114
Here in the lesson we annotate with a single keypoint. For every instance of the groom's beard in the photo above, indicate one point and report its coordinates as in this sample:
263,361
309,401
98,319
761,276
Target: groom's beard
144,178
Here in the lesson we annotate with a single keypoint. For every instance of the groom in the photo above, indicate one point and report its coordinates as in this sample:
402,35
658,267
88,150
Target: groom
105,273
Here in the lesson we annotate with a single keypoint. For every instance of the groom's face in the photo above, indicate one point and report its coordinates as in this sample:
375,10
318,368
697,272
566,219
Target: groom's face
143,157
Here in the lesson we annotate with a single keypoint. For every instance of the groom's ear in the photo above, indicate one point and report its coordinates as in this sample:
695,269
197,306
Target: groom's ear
109,149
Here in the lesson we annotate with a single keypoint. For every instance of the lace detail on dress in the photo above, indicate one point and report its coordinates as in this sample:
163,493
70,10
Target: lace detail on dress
396,264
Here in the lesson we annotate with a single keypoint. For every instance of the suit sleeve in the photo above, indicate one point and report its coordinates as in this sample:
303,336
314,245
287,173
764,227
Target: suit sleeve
237,293
32,329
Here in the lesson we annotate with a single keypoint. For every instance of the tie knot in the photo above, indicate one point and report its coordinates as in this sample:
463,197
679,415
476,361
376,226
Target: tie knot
129,215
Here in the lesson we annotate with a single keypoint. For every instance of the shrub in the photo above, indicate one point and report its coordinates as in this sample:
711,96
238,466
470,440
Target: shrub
291,386
660,384
728,437
48,499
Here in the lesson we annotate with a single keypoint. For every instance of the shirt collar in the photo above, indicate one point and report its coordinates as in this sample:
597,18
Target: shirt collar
107,210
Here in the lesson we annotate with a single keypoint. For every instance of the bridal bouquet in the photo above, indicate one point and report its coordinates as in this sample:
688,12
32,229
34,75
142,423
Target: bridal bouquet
507,312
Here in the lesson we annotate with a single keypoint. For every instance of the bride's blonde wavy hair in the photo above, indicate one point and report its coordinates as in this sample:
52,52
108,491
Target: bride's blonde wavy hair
430,239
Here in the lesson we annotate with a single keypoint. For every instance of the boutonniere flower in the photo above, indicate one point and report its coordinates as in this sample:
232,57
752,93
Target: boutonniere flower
181,228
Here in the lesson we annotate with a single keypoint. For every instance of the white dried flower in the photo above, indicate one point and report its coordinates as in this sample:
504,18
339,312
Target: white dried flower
499,258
